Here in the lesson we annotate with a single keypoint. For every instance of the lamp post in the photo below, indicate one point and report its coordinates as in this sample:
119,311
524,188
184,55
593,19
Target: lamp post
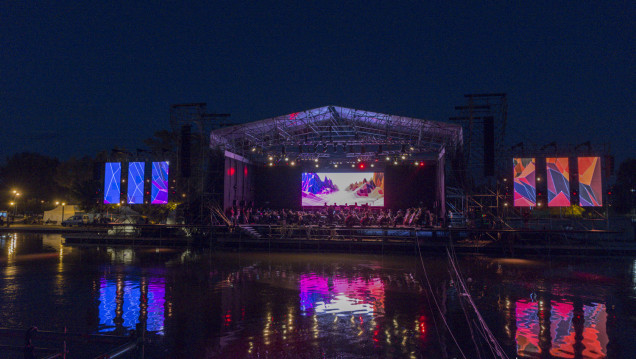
14,203
57,203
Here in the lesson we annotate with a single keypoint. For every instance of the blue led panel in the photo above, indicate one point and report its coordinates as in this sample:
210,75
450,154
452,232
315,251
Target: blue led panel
136,182
112,179
159,193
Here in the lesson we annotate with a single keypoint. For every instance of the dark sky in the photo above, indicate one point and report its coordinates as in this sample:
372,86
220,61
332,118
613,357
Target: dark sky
79,78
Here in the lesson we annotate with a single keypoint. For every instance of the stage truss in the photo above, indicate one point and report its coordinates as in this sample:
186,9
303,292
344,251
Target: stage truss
337,135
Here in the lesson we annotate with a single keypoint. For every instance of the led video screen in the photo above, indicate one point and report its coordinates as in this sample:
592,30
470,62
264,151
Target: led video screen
525,187
136,182
590,182
330,188
112,179
558,176
159,192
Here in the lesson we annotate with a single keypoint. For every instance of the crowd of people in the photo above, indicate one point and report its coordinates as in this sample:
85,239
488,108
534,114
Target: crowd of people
335,216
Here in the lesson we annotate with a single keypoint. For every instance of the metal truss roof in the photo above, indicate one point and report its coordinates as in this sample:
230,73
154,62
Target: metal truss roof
337,132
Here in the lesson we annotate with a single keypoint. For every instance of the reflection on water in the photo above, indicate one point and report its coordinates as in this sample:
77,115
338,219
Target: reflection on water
341,296
574,329
197,304
125,303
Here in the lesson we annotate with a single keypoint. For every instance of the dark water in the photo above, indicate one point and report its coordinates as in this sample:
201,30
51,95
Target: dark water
298,305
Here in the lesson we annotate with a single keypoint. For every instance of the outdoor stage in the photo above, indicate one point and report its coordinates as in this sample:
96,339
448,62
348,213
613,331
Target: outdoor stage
335,156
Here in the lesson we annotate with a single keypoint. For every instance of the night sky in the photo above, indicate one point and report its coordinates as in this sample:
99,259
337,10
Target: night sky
77,78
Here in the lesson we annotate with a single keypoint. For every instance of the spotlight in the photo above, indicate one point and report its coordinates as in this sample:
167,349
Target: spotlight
403,157
253,149
395,162
387,158
359,160
316,165
372,165
271,158
422,164
353,166
336,165
271,164
315,160
362,166
292,163
416,163
286,159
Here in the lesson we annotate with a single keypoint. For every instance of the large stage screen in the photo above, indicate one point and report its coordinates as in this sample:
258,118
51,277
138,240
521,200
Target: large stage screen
525,187
136,182
590,182
112,180
159,192
558,173
338,188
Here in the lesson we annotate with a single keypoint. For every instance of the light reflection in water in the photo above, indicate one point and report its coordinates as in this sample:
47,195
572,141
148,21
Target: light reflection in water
341,296
565,322
130,297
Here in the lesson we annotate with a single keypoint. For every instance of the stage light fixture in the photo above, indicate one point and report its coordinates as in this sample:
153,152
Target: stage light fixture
359,160
286,159
253,149
395,162
422,164
271,164
316,165
353,165
362,166
271,158
372,165
403,157
315,160
387,158
335,166
292,163
416,163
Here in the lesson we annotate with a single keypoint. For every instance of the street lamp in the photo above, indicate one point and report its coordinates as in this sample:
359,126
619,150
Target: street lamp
63,204
14,203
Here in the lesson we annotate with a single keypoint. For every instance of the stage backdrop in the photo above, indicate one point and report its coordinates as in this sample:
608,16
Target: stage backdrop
413,186
238,181
404,186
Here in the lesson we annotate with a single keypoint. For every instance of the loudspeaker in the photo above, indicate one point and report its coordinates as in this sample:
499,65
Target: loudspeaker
489,146
184,153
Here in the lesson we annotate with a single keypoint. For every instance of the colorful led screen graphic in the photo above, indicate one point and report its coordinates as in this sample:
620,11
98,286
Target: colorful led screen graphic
558,176
590,182
525,187
563,327
112,179
159,192
343,188
136,182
